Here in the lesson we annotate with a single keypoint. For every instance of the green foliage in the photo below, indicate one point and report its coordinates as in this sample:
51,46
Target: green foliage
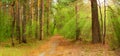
31,28
5,26
7,1
66,22
69,29
115,20
65,2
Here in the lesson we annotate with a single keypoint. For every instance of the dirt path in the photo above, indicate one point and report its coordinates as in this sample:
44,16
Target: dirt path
58,46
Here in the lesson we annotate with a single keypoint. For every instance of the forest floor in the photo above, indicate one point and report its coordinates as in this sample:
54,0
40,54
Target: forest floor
58,46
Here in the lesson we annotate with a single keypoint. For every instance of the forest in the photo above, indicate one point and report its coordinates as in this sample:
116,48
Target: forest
59,27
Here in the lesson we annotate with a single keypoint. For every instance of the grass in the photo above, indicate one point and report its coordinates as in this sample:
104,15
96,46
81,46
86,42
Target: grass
20,49
13,51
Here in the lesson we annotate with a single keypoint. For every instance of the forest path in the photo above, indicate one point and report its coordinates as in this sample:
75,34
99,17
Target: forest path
58,46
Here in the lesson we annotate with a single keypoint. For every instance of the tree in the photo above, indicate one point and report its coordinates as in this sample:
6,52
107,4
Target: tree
77,16
13,22
24,23
48,16
0,4
101,17
32,9
17,17
38,18
41,19
104,33
96,37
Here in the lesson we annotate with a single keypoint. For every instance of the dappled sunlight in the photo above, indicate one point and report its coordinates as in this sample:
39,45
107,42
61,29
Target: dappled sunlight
59,27
58,46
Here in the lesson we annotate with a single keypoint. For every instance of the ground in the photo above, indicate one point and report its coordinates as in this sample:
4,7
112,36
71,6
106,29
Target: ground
58,46
19,49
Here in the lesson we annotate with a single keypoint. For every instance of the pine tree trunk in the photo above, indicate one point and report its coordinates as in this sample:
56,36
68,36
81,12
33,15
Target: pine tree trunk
13,22
104,33
38,18
18,21
96,37
24,24
41,19
101,18
0,5
32,10
48,16
77,16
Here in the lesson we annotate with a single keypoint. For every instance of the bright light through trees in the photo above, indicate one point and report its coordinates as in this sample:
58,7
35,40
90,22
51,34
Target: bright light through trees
100,2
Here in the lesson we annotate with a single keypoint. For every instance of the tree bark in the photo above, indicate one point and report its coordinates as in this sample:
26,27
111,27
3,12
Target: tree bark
0,5
101,18
32,10
24,23
18,21
96,37
104,33
41,19
38,18
77,16
13,22
48,16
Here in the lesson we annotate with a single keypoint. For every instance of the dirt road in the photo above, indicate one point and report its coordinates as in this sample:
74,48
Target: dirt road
58,46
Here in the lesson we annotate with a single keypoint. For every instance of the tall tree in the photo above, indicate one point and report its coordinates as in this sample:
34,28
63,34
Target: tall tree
41,19
0,4
101,17
38,18
18,21
96,37
77,16
104,33
48,15
32,9
24,23
13,22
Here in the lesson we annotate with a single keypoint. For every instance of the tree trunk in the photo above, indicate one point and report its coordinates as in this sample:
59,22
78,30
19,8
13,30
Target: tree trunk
0,5
32,10
101,18
77,16
104,33
41,19
96,37
18,21
48,16
13,22
24,23
38,18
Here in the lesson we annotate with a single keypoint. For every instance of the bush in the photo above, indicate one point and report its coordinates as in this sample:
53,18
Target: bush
31,29
115,40
5,26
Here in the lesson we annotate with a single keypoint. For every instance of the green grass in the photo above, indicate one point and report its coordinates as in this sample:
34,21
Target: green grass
13,51
20,49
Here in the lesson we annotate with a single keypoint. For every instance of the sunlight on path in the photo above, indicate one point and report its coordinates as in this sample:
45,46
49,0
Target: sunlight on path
42,54
58,46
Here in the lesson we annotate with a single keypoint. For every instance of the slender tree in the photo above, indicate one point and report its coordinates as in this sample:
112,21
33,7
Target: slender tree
96,37
101,18
104,33
41,19
13,22
17,16
32,9
48,15
77,16
0,4
24,23
38,18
